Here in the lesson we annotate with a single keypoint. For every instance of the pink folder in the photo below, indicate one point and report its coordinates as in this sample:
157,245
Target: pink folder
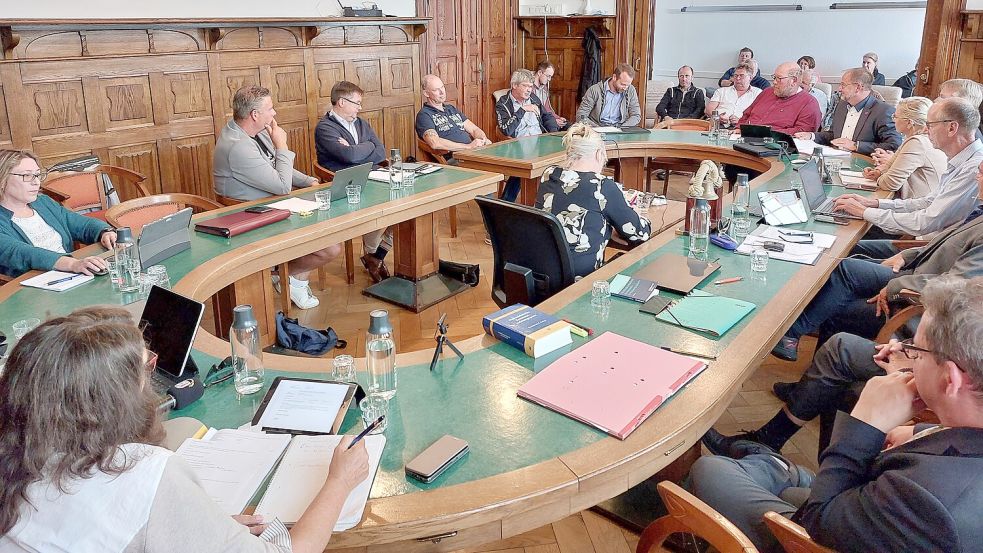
612,383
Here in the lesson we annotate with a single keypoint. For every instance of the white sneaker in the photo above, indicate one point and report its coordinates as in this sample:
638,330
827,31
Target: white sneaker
303,297
276,283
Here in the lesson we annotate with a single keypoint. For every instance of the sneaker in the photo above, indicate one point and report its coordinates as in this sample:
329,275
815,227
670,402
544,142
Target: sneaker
737,446
786,349
488,241
276,283
783,390
303,297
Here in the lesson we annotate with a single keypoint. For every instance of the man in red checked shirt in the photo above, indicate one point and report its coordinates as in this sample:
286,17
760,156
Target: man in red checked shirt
785,107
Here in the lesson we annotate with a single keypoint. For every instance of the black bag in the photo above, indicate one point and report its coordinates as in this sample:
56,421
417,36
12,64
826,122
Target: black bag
292,335
468,274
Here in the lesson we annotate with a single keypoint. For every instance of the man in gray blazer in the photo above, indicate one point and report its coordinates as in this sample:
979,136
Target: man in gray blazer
252,162
613,101
861,122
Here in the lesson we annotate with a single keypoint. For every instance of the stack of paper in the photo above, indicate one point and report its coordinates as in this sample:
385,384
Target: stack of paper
231,464
382,175
856,178
607,129
57,281
809,146
295,205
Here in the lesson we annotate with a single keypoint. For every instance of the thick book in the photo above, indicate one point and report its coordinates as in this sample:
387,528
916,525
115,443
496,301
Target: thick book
635,289
528,329
237,223
612,383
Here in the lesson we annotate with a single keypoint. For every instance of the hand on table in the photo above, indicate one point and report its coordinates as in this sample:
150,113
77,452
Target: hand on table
85,266
850,205
844,144
872,173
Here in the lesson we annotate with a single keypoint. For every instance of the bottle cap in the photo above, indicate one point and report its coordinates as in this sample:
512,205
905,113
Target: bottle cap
242,317
379,322
124,235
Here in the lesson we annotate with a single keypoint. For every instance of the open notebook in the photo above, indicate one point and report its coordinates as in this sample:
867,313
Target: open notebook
303,470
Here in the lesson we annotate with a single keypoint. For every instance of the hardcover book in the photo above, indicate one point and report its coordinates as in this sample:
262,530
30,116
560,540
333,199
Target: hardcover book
527,329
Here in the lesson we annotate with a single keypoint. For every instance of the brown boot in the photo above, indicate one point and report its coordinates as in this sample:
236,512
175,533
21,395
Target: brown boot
376,269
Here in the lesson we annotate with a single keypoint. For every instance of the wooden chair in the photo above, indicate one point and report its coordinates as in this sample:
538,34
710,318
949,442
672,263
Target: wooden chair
689,515
85,191
138,212
792,536
327,175
669,164
438,156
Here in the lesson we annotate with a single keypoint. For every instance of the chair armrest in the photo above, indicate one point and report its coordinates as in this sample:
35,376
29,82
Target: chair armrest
122,173
898,320
905,244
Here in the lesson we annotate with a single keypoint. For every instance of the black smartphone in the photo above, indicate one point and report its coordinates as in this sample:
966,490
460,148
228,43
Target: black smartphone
258,209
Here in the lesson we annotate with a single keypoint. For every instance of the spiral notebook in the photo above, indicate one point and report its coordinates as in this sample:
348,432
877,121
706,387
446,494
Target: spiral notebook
705,312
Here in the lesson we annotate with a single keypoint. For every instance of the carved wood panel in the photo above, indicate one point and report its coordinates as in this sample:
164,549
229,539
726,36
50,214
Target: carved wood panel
125,102
187,95
59,108
188,167
400,125
4,120
299,141
367,74
141,158
375,119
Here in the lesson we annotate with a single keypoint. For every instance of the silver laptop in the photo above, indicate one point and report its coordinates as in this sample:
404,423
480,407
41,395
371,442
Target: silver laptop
818,202
164,238
358,174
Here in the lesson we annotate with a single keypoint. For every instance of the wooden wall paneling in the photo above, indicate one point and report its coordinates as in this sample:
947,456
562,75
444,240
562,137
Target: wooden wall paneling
6,140
141,158
400,126
186,165
940,50
376,120
970,56
496,47
472,58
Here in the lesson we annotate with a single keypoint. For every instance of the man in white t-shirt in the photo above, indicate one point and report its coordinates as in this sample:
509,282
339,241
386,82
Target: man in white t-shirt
733,100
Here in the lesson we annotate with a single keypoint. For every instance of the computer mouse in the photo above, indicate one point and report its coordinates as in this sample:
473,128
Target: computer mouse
724,241
101,272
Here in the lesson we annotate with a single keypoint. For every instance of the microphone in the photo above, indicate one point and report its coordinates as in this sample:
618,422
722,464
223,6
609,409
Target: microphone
181,394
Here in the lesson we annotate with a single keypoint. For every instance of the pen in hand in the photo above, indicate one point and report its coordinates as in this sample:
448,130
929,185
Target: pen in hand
368,429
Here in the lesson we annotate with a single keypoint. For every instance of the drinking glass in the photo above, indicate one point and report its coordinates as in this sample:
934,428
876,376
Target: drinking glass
409,178
354,192
158,276
601,293
343,368
759,260
114,275
323,199
24,326
373,407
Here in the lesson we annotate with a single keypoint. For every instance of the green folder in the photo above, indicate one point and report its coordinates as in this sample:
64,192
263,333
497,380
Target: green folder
705,312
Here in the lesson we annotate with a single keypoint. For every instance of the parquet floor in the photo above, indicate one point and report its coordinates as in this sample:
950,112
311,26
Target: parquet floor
345,309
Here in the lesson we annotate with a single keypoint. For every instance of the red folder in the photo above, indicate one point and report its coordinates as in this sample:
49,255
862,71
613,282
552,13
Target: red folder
237,223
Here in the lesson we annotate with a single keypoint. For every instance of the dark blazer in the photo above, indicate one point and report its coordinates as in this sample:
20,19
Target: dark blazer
508,119
875,129
925,495
335,156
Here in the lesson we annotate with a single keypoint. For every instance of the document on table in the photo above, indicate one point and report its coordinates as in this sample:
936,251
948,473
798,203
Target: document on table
807,254
809,146
607,129
232,464
295,205
304,406
850,180
68,280
819,239
382,175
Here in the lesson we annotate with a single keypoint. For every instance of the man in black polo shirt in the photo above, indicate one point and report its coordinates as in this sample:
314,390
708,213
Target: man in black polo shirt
442,126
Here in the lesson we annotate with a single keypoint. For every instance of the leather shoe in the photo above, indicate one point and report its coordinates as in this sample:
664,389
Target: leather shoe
783,390
787,349
376,268
737,446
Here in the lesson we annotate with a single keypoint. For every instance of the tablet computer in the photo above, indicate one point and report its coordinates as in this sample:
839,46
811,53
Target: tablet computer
304,406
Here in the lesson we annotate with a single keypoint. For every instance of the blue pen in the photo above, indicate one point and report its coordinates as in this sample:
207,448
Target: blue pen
365,432
60,280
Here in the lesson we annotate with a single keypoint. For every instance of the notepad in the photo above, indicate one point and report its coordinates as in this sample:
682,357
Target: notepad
295,205
705,312
382,175
41,281
301,475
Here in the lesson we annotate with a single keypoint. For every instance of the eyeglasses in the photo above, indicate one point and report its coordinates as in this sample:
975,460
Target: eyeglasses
349,100
911,351
31,177
151,363
930,123
848,84
220,372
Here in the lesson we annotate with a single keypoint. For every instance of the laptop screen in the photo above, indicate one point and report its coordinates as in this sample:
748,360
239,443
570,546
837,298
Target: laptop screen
170,322
812,184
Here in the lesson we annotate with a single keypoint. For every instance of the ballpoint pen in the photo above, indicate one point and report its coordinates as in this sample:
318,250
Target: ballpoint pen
368,429
60,280
728,280
690,353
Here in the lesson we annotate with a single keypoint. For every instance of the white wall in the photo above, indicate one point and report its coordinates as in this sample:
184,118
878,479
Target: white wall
836,38
97,9
567,7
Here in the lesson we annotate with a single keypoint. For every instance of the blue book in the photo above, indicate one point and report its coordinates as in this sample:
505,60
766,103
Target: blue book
635,289
527,329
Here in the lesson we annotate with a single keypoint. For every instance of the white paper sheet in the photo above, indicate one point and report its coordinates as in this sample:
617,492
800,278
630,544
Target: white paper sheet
295,205
41,281
819,239
808,146
607,129
304,406
807,254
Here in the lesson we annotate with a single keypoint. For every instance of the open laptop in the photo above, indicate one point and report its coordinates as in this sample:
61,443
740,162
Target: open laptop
358,175
164,237
818,202
170,323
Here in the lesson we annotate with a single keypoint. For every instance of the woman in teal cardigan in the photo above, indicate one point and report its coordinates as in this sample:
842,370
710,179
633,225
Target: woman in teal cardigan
35,231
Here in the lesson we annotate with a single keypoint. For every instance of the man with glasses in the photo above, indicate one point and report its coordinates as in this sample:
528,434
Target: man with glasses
252,161
784,107
541,88
861,122
343,139
733,100
881,485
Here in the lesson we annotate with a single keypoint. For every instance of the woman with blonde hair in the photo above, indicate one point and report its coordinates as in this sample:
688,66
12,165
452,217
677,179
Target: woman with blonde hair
916,168
588,204
36,232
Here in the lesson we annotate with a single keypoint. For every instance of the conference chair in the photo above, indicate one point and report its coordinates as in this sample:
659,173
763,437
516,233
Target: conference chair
138,212
88,192
794,538
327,175
890,94
438,156
689,515
826,88
532,259
669,164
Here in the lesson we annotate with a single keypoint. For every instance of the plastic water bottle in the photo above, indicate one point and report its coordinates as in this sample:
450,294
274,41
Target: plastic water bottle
699,227
395,169
247,357
380,355
128,261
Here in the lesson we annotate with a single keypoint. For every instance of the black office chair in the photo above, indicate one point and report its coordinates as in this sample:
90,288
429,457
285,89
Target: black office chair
532,259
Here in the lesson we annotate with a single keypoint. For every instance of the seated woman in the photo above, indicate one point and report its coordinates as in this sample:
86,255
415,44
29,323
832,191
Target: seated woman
809,62
82,470
915,170
35,231
869,62
587,203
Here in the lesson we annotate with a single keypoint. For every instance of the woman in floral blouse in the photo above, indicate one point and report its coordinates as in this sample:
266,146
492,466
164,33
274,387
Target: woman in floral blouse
588,204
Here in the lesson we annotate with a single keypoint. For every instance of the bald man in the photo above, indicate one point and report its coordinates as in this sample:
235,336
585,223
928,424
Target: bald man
785,107
441,125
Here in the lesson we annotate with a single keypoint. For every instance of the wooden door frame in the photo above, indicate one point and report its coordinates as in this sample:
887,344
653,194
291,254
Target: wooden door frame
938,58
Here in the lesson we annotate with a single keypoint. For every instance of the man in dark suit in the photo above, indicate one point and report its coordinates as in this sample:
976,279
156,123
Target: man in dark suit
520,113
923,491
861,122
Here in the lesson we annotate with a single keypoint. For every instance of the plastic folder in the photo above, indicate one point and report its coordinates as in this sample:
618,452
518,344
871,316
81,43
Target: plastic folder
705,312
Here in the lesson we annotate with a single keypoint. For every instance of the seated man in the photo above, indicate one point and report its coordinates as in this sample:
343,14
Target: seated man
441,125
252,161
784,107
861,122
952,124
541,88
520,113
684,101
842,304
612,102
807,81
922,492
731,101
343,139
744,55
757,80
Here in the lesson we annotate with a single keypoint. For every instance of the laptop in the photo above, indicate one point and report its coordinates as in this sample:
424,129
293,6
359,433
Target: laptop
170,323
818,202
164,238
358,175
754,142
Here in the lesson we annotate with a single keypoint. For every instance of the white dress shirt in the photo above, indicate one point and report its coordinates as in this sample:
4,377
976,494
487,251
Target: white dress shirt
349,125
530,123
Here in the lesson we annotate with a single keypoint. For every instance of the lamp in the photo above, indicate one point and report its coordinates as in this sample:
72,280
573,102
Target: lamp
878,5
744,8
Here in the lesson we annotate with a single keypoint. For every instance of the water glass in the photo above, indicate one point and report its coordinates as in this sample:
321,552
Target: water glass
146,282
373,407
759,261
130,276
409,179
601,293
739,227
833,166
158,276
712,137
323,199
354,192
343,368
723,135
643,203
24,326
114,273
